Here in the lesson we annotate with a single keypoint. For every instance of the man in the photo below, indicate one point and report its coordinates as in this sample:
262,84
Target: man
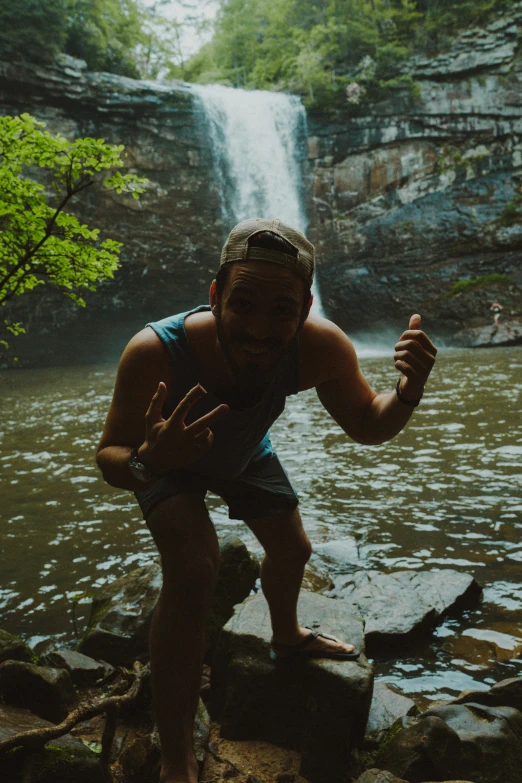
195,396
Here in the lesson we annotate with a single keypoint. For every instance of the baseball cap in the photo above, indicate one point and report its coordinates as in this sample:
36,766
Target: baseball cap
236,248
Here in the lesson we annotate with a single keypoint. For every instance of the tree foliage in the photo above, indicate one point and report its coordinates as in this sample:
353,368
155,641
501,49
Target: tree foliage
34,27
128,37
321,48
40,242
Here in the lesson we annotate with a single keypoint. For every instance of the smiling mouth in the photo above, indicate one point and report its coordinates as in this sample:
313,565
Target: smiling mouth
256,350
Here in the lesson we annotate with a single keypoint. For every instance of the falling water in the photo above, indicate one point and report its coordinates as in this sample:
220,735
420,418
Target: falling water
259,144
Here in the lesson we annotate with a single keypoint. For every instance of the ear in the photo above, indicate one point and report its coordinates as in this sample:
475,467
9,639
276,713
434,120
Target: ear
213,299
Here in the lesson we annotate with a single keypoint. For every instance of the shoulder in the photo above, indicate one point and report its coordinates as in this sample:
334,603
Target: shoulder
144,351
324,347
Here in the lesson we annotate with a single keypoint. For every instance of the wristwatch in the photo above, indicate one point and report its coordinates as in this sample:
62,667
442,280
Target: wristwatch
138,469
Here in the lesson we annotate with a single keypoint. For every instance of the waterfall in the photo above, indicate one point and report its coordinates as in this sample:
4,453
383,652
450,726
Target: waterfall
259,143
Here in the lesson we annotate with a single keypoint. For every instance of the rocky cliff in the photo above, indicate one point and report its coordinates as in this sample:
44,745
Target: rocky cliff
172,237
415,203
414,195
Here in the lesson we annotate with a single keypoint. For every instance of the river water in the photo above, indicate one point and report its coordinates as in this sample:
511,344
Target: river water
446,493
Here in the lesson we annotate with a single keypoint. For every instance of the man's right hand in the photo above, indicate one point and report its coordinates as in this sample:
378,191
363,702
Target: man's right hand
171,444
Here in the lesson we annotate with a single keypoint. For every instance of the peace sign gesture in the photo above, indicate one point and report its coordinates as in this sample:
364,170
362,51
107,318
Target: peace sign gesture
170,443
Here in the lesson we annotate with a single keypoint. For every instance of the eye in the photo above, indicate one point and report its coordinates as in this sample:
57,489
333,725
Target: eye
286,312
240,303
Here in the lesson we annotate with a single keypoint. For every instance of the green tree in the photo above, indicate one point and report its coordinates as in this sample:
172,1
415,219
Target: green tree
105,33
40,242
36,28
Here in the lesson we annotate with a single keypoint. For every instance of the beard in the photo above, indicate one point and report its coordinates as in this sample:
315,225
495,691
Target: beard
253,374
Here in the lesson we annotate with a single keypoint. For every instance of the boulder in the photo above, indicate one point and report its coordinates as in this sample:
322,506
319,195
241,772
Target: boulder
140,758
401,607
64,759
386,707
319,706
49,693
506,693
121,613
490,336
381,776
84,671
12,648
378,776
460,740
118,629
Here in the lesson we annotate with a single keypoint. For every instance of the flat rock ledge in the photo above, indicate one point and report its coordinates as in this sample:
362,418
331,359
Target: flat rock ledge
491,336
401,607
317,706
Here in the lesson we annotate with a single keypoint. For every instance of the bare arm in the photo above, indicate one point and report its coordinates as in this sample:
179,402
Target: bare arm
365,416
135,417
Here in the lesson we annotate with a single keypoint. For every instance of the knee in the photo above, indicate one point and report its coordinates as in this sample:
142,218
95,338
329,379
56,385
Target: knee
296,553
188,545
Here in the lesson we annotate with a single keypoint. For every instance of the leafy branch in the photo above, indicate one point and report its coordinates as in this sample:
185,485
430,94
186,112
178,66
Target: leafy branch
40,241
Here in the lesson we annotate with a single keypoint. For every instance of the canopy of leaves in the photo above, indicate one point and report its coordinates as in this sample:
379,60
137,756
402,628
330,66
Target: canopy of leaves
128,37
34,27
40,242
321,47
318,48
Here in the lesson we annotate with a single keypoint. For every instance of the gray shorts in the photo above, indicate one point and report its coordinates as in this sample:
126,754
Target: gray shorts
263,489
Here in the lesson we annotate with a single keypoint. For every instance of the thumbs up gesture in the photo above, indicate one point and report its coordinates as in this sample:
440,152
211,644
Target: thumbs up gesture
414,357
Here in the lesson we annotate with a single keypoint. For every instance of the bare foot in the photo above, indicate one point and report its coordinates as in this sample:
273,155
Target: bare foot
319,647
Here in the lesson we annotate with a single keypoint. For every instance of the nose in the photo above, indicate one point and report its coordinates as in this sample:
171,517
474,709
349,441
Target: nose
259,327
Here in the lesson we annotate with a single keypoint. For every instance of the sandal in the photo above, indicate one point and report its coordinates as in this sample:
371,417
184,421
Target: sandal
288,652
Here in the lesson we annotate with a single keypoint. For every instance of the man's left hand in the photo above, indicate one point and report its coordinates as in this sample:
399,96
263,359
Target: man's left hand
414,356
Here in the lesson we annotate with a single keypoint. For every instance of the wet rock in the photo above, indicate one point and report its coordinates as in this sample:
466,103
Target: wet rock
83,670
465,739
416,749
121,612
12,648
49,693
400,607
64,760
378,776
140,758
318,705
387,706
507,693
47,646
490,336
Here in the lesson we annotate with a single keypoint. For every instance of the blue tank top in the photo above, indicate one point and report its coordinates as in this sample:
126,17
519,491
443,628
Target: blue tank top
244,433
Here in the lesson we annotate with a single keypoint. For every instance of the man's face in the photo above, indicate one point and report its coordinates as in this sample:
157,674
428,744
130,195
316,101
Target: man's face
260,313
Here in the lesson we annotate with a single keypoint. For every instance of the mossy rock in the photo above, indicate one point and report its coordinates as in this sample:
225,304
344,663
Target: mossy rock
12,648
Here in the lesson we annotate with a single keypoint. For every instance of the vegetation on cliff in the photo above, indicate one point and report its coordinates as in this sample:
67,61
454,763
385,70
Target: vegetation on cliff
40,242
332,51
329,51
128,37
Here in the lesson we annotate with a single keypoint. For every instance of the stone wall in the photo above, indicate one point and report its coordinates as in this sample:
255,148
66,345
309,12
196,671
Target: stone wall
172,237
409,196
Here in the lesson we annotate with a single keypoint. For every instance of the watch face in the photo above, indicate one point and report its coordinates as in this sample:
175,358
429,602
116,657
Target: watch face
138,469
